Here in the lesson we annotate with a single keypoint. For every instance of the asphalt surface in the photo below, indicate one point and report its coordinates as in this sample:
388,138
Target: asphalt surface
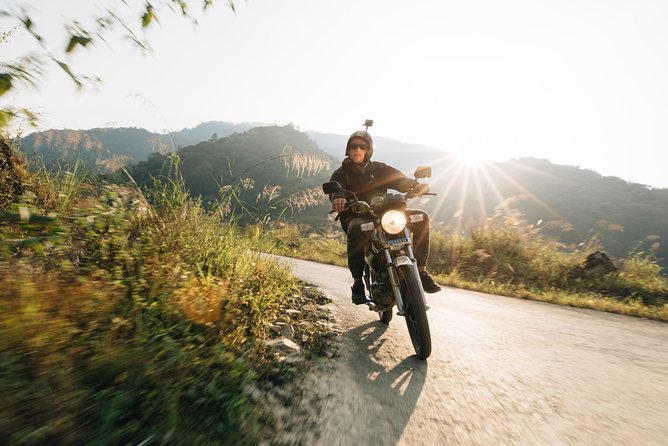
502,371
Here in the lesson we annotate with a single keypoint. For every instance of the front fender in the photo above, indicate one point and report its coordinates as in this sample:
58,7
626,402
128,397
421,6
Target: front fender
392,266
402,260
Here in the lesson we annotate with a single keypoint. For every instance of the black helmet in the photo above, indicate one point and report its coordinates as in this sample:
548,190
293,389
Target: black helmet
366,136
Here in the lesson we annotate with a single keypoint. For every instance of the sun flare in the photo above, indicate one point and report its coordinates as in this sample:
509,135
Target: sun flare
471,158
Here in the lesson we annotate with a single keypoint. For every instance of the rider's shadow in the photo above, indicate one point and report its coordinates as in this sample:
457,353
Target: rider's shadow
398,387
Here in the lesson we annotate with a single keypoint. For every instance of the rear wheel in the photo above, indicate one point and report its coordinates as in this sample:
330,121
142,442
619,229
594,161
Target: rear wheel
416,313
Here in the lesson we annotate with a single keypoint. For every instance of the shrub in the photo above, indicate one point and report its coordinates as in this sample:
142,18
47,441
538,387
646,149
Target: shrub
127,320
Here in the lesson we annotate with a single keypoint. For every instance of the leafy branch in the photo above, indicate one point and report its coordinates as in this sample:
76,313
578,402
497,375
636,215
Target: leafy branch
30,68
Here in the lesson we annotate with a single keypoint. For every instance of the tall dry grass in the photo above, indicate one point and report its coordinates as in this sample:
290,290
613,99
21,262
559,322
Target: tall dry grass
507,256
131,318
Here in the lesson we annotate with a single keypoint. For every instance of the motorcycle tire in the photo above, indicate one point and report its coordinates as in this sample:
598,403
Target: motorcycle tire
385,316
416,313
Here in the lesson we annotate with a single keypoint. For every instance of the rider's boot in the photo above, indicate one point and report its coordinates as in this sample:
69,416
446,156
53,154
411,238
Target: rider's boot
428,284
358,295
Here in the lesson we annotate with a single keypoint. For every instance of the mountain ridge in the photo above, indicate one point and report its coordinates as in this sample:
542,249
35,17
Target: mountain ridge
390,150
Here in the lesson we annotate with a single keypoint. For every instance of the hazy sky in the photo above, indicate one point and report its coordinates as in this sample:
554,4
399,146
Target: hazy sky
579,82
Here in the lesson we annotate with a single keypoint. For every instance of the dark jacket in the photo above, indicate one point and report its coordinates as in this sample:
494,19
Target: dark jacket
375,179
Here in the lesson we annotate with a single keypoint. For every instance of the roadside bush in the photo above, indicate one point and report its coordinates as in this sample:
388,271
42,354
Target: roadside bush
640,279
125,320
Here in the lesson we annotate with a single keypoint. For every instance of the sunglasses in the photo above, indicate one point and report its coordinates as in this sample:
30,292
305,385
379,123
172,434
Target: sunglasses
358,146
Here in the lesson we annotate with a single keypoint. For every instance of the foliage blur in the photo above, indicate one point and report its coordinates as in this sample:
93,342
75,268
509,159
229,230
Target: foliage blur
131,318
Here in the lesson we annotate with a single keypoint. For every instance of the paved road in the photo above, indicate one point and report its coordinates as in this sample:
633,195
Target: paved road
502,371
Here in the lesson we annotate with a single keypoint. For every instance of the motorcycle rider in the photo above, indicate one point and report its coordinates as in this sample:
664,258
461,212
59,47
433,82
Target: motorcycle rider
369,178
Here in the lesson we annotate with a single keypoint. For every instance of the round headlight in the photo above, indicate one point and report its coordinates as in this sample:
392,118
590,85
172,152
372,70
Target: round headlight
393,221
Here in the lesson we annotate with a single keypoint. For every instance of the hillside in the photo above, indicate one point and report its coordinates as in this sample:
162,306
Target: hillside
207,131
567,203
131,145
101,149
105,149
266,171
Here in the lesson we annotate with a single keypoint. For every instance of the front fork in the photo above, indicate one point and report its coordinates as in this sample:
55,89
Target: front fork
409,249
394,281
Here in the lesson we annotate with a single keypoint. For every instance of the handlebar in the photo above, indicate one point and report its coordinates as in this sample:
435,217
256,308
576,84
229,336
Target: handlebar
362,207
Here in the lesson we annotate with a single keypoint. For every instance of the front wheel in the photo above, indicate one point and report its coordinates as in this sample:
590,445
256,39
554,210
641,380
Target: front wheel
416,313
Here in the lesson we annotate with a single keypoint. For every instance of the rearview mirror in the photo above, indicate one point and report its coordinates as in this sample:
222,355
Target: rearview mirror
331,187
423,172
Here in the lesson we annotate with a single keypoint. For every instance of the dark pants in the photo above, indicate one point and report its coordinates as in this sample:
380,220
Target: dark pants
358,238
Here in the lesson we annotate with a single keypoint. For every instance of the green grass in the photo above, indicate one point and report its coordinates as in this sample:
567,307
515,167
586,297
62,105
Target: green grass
133,318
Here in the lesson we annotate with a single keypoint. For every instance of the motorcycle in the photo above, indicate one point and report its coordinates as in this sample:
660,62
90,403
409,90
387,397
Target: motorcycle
390,270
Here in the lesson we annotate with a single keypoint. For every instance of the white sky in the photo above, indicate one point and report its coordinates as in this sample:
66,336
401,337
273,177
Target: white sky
579,82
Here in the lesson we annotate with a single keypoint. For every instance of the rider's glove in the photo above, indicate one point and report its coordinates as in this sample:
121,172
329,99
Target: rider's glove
420,189
339,204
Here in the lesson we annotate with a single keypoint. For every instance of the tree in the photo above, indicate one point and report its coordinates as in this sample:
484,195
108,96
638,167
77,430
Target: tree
28,69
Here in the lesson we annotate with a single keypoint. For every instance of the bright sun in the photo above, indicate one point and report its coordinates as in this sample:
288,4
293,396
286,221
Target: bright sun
471,158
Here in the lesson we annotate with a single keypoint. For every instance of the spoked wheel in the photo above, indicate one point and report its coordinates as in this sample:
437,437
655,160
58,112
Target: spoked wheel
385,316
416,313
